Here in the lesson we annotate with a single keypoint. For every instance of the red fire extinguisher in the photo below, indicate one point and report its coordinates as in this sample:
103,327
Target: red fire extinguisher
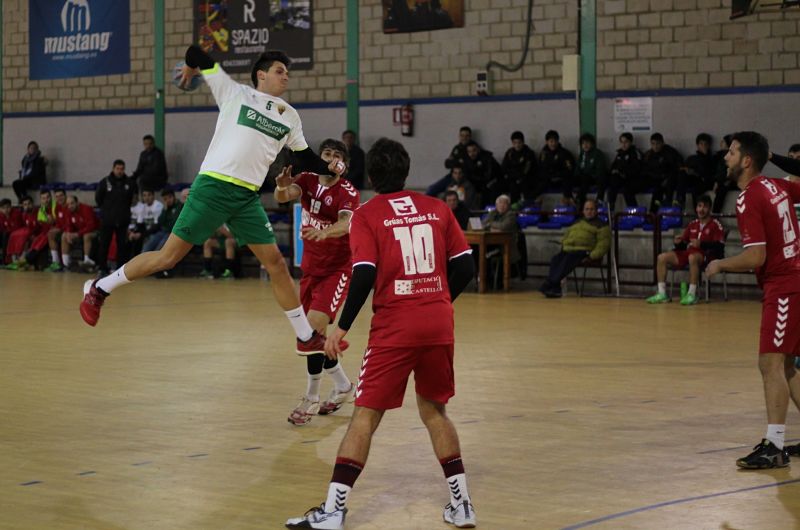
404,117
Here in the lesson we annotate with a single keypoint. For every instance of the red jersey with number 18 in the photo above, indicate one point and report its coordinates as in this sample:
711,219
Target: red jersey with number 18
409,238
765,213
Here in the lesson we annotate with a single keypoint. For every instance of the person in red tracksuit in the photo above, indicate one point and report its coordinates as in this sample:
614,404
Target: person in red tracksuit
10,220
60,213
81,226
20,238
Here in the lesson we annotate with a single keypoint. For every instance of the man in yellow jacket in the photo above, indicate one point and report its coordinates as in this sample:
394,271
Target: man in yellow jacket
588,238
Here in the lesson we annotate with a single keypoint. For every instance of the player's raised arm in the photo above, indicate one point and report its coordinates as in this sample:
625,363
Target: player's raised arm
220,83
286,189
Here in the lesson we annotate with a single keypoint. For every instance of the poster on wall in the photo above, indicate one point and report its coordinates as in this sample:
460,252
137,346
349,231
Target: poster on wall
78,38
633,115
234,32
403,16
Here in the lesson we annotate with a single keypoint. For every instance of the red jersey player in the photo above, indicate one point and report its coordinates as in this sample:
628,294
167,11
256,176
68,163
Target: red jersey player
769,231
328,203
702,238
411,249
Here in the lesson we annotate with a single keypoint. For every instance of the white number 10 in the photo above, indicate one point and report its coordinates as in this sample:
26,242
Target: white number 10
416,245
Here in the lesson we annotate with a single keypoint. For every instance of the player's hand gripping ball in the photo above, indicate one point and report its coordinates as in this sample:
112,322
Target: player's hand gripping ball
192,84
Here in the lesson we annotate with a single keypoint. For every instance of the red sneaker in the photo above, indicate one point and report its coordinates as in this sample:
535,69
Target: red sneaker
316,344
93,300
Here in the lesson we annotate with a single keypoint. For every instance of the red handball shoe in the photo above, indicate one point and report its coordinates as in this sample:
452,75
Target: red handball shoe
316,344
93,299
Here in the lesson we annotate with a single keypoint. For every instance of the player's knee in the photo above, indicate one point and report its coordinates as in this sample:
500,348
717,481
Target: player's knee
167,259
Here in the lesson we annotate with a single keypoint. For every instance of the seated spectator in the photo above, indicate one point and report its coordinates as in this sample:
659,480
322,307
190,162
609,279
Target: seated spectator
46,218
591,169
702,241
483,171
459,209
146,214
80,228
519,168
463,188
661,165
722,184
151,171
502,219
790,163
19,240
697,173
556,167
221,238
457,156
54,234
33,172
626,173
114,196
587,239
169,214
355,167
10,220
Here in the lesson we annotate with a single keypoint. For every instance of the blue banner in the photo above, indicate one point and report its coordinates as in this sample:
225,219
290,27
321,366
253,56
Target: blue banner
79,38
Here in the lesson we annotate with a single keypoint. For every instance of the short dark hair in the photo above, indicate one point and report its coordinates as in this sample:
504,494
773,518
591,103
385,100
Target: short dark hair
118,162
466,128
450,193
5,202
473,142
33,142
387,165
587,137
728,138
456,165
704,199
336,145
627,136
794,148
25,198
149,190
657,137
166,192
551,134
753,145
148,137
702,137
517,135
62,190
265,60
75,198
349,131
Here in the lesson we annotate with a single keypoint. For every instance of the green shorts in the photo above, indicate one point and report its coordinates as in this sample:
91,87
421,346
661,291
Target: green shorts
212,203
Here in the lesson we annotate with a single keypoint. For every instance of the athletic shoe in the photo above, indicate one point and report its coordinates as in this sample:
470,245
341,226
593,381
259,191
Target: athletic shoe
462,515
658,298
19,265
206,274
93,299
227,274
55,267
304,411
765,456
336,400
317,518
316,344
689,299
684,289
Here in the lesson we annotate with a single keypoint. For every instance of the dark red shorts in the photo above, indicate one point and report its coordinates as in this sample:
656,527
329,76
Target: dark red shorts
780,324
384,375
683,257
325,294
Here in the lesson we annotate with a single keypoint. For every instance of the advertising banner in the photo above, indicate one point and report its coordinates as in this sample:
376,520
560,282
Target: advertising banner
403,16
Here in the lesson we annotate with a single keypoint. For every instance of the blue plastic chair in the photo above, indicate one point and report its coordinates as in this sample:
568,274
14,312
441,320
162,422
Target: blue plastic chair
529,216
562,216
633,218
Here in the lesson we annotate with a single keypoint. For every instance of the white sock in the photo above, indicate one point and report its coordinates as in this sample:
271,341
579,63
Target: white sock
339,377
312,390
64,259
54,256
692,289
113,280
297,318
87,259
458,489
776,434
337,497
662,288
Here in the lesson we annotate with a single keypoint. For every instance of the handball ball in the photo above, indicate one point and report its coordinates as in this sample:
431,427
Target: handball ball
194,83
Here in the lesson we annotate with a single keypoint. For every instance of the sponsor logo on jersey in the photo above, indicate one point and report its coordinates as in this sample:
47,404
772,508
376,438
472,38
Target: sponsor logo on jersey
250,117
328,200
403,206
281,109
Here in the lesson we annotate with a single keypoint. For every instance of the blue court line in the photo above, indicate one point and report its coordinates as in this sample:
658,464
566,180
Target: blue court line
31,483
619,515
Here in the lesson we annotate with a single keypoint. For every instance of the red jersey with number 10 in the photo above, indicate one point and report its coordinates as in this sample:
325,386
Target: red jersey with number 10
765,213
409,238
321,208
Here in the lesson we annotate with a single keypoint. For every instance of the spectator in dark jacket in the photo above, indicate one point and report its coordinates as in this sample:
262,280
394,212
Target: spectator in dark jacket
463,188
591,169
459,153
459,209
556,166
626,172
722,184
483,171
519,168
33,172
114,196
163,227
151,172
355,167
661,165
697,174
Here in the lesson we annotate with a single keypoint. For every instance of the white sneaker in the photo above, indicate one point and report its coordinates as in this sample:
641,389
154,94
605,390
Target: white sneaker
336,400
462,515
317,518
304,411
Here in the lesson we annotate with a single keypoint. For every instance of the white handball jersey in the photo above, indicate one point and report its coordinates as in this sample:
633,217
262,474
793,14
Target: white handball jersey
252,128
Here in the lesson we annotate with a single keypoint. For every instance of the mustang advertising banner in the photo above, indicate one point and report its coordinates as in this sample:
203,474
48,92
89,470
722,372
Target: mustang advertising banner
78,38
234,32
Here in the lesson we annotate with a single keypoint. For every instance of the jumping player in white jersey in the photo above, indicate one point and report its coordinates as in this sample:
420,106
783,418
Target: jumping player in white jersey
252,127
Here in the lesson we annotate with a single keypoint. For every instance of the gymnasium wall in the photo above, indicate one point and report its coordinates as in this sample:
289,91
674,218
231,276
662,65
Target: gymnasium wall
674,50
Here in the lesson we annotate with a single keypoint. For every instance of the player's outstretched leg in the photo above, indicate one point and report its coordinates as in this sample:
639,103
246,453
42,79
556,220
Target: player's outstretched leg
96,291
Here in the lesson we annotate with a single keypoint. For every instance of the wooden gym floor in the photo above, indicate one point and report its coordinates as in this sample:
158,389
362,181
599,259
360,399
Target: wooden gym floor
573,413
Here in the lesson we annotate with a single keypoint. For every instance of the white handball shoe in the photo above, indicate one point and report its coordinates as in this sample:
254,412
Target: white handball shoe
462,515
336,400
318,518
304,411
